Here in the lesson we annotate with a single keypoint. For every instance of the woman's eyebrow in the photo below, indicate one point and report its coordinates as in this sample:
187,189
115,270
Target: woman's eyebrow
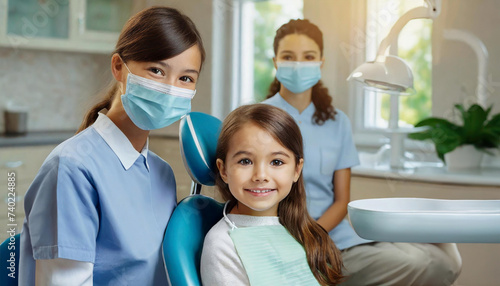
192,71
167,66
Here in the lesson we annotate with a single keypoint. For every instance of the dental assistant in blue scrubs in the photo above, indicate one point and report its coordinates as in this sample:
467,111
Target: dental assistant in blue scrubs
329,154
97,210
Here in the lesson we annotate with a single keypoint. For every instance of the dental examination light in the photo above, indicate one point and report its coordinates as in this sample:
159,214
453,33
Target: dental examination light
391,74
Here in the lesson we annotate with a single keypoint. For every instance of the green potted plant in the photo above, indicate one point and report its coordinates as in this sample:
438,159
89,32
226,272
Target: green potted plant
476,133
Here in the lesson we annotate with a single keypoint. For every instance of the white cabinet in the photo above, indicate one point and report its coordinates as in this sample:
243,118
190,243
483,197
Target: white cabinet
24,162
64,25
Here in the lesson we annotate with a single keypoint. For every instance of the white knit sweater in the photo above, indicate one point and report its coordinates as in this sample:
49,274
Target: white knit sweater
220,263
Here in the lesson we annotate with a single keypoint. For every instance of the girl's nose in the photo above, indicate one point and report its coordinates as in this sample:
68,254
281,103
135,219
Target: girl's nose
259,173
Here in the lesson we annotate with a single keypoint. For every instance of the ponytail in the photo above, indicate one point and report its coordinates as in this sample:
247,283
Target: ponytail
321,99
105,103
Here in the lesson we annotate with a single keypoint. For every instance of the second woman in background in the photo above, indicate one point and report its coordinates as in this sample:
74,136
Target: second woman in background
329,154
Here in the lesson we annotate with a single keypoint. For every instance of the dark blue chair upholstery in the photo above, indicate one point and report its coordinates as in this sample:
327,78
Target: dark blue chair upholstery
196,214
9,264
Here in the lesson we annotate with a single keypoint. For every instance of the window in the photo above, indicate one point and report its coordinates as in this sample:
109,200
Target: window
414,46
265,17
244,32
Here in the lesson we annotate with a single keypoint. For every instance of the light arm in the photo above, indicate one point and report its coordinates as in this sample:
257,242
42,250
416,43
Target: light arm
430,12
338,210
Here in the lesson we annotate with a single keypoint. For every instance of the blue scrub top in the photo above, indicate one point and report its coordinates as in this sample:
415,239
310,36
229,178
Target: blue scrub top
327,148
96,199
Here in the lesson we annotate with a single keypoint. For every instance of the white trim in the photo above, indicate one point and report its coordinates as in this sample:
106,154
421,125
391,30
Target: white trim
223,56
196,141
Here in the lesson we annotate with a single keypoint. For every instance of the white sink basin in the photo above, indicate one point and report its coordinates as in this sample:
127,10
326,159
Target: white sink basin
426,220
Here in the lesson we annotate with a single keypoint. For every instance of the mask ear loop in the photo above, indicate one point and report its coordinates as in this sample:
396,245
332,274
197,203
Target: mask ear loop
124,64
123,92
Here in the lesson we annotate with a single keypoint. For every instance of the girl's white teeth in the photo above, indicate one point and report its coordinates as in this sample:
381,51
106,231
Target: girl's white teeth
260,191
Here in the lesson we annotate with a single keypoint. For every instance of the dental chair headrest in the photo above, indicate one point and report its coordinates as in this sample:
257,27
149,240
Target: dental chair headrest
198,135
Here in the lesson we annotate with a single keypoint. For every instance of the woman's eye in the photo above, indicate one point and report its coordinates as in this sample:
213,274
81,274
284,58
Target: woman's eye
156,71
310,58
276,162
245,162
287,58
186,79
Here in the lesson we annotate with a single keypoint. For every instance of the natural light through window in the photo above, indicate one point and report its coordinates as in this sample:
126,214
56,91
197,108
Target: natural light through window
414,46
260,21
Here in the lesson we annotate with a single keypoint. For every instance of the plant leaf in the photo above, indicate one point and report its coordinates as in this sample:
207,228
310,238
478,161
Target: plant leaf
420,135
446,139
494,122
462,110
474,120
435,122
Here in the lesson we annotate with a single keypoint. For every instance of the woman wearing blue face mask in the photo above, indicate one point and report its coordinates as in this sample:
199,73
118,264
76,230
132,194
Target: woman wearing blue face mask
97,210
329,154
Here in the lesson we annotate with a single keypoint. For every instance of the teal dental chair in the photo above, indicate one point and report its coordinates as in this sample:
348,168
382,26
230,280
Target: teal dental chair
196,214
9,264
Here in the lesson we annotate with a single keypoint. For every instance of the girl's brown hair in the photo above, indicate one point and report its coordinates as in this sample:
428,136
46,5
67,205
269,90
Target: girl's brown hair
152,35
323,257
320,97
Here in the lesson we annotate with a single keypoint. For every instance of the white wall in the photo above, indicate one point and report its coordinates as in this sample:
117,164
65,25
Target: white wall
334,19
454,63
57,87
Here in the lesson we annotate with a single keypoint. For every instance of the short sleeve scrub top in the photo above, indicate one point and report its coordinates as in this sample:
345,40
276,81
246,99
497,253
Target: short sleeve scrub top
96,199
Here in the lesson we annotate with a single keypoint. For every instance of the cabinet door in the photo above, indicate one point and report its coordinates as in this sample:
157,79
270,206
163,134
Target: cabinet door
103,20
38,19
65,25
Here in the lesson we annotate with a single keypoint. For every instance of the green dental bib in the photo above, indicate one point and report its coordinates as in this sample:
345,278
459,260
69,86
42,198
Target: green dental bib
271,256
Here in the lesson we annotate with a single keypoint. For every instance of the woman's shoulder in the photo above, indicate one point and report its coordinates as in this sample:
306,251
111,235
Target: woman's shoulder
340,117
77,150
274,100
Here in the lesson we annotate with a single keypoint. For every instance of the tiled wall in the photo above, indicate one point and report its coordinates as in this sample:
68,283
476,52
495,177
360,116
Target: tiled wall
57,87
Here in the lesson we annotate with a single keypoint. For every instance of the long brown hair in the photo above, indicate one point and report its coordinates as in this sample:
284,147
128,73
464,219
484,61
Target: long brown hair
154,34
320,97
323,257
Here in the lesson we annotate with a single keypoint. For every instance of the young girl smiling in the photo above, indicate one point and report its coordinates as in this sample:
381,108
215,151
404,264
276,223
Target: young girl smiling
266,235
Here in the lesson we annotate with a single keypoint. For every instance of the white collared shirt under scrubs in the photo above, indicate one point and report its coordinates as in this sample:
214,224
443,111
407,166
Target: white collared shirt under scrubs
96,199
327,148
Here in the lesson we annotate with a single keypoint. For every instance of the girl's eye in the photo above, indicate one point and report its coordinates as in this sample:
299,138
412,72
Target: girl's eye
287,58
156,71
276,162
186,79
310,58
245,162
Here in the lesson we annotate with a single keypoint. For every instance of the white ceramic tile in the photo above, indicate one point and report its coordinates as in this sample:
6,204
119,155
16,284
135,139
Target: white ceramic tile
57,87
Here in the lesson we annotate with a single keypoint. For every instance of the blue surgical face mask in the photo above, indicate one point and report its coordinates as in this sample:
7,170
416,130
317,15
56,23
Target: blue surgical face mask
153,105
298,77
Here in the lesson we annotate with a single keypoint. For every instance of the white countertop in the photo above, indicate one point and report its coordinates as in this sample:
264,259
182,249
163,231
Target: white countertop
485,176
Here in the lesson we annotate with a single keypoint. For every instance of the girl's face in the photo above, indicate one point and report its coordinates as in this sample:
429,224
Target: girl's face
297,48
180,71
259,171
